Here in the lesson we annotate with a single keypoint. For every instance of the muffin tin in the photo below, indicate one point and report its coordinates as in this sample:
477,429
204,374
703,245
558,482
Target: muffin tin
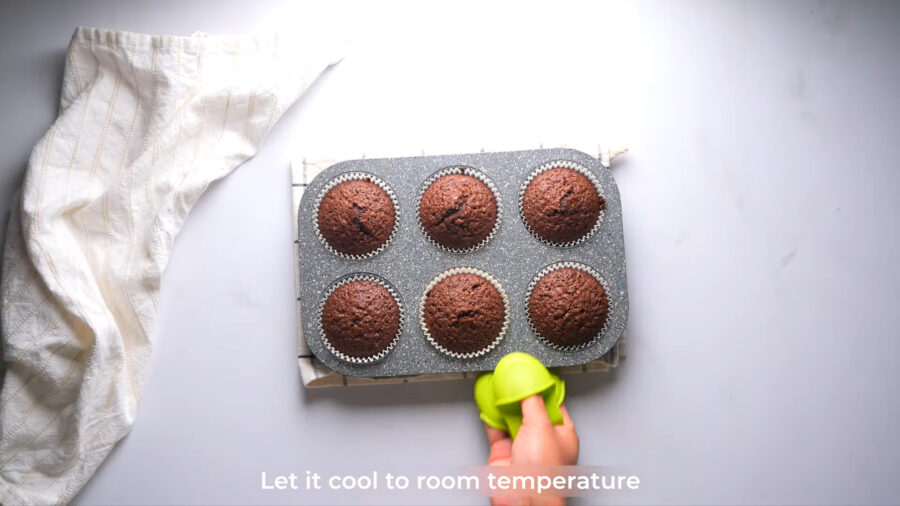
409,262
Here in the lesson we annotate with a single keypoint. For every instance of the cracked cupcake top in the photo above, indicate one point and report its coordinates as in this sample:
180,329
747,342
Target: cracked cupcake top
458,211
464,313
561,205
356,217
568,307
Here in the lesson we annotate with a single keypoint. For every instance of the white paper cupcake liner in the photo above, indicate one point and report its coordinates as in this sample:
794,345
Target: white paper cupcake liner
355,176
487,277
350,279
467,171
561,164
581,267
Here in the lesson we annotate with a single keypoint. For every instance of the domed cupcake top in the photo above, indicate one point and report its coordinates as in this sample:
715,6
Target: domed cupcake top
465,313
357,216
360,319
568,307
458,209
561,205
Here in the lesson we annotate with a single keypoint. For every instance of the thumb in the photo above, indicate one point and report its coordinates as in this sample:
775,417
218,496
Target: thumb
534,413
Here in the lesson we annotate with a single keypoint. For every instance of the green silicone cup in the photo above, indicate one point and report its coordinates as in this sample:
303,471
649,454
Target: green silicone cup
517,377
487,405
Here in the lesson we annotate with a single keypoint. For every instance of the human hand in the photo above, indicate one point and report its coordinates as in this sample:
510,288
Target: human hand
538,443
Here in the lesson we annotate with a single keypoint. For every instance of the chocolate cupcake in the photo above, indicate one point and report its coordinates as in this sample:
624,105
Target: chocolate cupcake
360,319
568,306
464,312
561,203
356,215
459,209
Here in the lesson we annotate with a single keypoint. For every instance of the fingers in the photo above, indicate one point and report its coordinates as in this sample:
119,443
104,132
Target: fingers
567,420
567,437
494,435
567,429
501,453
534,413
501,447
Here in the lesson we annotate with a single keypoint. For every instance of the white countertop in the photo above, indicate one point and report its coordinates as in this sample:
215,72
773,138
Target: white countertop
760,205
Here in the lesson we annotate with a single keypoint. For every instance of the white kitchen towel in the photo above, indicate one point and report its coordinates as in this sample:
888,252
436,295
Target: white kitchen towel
315,374
146,123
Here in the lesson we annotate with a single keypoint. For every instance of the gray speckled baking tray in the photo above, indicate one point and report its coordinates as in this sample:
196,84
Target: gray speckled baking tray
513,256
